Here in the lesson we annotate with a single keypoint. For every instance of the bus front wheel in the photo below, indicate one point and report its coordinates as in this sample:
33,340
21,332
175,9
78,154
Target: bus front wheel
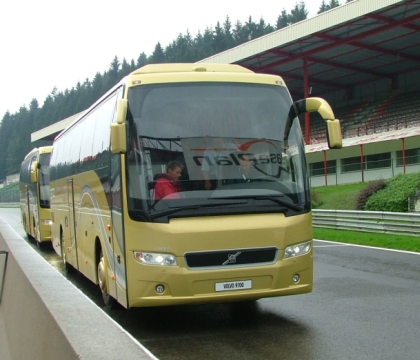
102,281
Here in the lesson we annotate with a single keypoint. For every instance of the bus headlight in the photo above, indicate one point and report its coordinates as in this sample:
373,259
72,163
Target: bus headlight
155,258
298,249
46,222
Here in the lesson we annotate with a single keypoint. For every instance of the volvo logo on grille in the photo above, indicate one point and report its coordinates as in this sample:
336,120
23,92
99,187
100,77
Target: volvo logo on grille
232,258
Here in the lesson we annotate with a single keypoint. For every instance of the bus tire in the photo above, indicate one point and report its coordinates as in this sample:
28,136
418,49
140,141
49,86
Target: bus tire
102,281
40,244
67,267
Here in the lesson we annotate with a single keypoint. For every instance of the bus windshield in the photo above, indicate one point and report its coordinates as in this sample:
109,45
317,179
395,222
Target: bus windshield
231,142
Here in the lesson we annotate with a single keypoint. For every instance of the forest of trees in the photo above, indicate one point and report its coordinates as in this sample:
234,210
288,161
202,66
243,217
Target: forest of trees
16,128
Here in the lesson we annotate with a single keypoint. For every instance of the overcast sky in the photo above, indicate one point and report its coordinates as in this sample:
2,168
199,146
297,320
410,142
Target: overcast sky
46,44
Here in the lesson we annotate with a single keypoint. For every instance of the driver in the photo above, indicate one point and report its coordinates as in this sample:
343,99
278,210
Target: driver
167,183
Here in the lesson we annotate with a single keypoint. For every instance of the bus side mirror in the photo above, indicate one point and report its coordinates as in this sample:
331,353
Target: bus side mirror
335,139
34,172
118,138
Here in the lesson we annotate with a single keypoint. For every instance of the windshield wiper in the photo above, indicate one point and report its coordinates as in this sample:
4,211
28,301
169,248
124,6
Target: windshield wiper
193,207
276,199
290,205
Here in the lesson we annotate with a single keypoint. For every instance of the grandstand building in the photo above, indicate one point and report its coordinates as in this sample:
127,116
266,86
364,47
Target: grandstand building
364,58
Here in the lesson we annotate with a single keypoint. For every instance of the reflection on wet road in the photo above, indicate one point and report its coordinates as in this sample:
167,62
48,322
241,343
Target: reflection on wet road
364,306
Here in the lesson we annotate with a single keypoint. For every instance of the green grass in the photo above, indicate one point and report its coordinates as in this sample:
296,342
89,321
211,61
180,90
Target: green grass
336,197
388,241
343,197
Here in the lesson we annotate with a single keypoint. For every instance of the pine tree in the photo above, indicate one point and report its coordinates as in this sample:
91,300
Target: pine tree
18,144
6,129
204,44
298,13
239,34
332,4
260,29
158,55
250,27
219,44
97,86
227,31
282,20
323,7
142,60
113,75
125,69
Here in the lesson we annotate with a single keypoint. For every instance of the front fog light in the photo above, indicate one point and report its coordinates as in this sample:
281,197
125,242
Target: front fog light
298,249
155,259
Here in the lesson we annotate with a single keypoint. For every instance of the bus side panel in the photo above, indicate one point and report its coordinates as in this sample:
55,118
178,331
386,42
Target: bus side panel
91,220
94,227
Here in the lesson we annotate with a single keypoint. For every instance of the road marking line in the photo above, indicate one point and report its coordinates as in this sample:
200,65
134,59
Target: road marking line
364,246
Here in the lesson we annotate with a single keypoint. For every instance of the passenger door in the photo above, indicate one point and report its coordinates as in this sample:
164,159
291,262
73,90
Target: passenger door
70,244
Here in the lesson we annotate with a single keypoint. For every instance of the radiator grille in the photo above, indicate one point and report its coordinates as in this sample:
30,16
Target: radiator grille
232,257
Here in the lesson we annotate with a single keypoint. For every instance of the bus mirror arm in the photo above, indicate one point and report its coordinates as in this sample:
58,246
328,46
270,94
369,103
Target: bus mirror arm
319,105
121,111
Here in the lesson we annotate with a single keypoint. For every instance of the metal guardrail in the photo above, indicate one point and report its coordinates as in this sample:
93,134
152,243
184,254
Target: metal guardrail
9,204
368,221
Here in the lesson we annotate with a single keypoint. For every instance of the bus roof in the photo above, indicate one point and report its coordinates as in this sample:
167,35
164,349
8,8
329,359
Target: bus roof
190,67
40,150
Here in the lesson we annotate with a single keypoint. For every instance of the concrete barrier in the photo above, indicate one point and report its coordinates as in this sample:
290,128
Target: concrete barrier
44,316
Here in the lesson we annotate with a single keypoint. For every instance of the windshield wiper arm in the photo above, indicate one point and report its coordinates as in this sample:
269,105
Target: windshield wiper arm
192,207
276,199
290,205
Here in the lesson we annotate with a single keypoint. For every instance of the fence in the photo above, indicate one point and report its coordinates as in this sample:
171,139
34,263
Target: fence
10,193
368,221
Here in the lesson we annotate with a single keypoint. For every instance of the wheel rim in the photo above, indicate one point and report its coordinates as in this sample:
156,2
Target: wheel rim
101,272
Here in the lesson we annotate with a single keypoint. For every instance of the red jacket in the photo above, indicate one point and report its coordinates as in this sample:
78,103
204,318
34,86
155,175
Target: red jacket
165,186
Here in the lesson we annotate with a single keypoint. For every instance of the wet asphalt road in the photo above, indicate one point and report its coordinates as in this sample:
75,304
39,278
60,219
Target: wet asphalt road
365,305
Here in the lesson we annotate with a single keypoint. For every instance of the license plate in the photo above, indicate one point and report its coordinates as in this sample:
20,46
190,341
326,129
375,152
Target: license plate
234,285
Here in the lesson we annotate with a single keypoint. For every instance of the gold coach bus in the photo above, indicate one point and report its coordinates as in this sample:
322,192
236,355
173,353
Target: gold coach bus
224,236
35,194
